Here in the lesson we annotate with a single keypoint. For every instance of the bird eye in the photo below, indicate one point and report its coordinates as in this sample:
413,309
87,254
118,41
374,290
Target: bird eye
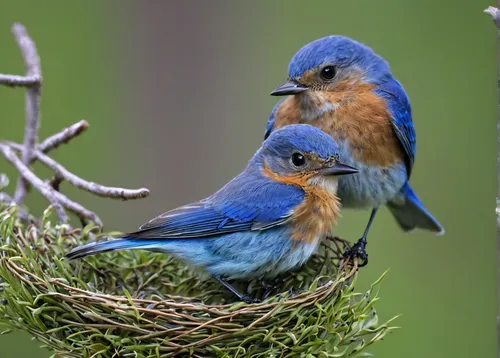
298,159
327,73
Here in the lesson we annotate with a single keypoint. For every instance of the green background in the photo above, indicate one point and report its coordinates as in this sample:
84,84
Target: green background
177,97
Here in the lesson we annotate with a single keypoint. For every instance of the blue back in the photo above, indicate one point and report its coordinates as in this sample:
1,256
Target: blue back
400,109
251,201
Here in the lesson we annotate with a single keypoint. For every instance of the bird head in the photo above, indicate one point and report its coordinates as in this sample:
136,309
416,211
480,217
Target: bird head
332,64
301,154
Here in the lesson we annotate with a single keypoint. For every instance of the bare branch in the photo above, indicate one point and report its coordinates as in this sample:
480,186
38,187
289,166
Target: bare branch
55,198
63,137
97,189
56,181
32,62
28,49
494,12
29,150
19,81
43,188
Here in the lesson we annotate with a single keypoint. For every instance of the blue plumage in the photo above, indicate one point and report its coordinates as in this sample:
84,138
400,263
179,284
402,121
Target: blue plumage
240,205
270,121
245,229
410,212
342,52
237,255
332,73
400,110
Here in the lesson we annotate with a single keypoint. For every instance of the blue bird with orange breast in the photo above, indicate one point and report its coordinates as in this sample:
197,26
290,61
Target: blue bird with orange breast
347,90
267,220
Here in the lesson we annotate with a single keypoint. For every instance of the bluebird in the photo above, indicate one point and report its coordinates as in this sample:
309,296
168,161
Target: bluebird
347,90
266,221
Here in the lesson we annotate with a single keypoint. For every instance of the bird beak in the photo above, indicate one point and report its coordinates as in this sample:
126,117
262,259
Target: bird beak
338,169
290,87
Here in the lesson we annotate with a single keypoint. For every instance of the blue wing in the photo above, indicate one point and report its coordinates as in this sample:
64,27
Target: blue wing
399,106
270,121
248,202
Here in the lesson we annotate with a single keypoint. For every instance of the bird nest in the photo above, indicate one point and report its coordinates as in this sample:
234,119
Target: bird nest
139,304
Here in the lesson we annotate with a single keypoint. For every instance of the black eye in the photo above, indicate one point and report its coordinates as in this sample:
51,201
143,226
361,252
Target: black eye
327,73
298,160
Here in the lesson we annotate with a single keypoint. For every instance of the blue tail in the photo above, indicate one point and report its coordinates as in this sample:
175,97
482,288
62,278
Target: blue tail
98,247
410,213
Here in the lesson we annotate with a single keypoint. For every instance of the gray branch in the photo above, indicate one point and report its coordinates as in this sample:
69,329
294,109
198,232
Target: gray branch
30,177
63,174
57,199
30,151
63,137
32,63
19,81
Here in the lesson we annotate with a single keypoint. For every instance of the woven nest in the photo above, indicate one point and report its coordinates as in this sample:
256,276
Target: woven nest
140,304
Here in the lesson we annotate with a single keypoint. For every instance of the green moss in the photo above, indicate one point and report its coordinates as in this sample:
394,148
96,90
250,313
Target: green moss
140,304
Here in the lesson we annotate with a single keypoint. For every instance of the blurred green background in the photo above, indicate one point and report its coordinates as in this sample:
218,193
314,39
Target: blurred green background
177,97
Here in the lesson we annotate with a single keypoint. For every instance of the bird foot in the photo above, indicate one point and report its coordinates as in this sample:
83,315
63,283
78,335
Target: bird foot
249,300
234,291
358,250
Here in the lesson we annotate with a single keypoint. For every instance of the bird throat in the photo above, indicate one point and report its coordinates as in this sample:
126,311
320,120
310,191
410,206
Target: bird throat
314,104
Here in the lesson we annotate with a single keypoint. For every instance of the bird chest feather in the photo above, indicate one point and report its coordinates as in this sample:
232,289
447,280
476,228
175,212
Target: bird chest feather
358,118
314,218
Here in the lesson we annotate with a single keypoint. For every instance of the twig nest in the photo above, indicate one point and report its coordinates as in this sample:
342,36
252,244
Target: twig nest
140,304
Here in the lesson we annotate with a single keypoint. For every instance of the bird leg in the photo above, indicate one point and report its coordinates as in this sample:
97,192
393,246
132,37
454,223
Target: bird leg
358,250
241,296
270,287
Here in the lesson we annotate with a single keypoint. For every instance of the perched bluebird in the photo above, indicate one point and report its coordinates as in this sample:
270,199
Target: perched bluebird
267,220
347,90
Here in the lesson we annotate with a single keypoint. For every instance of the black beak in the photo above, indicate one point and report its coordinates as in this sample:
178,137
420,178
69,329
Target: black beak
290,87
338,169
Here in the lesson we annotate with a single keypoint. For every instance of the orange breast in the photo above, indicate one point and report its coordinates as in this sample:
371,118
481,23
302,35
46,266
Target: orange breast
316,216
360,118
318,212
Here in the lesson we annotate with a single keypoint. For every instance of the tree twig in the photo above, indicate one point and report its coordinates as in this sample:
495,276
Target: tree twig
19,81
43,188
32,62
63,137
30,151
57,199
56,181
495,14
97,189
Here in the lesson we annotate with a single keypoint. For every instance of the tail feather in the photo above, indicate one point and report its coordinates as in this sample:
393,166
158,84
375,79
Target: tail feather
411,213
98,247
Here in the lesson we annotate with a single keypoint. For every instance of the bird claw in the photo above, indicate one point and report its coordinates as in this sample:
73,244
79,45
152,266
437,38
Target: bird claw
249,300
358,250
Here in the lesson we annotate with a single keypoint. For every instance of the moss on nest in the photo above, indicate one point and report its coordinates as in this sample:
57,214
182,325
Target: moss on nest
141,304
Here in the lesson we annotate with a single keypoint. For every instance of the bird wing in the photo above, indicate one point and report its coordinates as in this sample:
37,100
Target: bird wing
400,109
245,203
270,121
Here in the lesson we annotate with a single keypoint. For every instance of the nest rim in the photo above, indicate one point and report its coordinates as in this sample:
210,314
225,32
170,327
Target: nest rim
188,326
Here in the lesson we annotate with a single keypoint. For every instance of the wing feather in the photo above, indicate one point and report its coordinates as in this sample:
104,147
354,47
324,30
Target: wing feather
248,202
